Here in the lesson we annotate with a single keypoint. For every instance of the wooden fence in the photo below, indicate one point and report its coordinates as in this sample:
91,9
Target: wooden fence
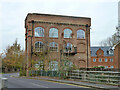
107,77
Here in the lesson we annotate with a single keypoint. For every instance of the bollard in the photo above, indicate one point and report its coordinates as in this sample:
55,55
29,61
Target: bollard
4,83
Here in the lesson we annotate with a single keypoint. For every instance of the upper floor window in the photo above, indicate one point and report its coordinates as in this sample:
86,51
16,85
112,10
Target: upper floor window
53,32
67,33
110,51
100,53
80,34
39,46
68,47
111,59
53,47
100,60
105,59
94,60
39,32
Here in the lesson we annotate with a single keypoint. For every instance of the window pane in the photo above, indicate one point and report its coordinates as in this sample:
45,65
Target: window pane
111,67
53,47
53,32
106,66
94,60
39,32
67,33
80,34
105,59
111,59
53,65
39,46
68,47
100,60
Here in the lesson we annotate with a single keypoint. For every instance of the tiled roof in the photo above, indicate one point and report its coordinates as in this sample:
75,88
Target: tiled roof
105,49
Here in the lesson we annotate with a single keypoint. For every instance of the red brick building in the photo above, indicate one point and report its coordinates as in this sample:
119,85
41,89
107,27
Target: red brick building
66,35
109,57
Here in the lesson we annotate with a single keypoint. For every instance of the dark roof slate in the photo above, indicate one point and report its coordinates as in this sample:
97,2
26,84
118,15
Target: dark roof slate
105,49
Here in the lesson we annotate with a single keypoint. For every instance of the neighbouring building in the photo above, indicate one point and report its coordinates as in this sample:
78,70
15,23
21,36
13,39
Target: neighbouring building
102,56
109,57
106,56
63,36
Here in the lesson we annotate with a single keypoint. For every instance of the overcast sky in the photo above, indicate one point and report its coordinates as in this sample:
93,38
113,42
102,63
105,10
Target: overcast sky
103,14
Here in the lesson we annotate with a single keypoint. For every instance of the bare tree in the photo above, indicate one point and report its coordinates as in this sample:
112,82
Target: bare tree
110,41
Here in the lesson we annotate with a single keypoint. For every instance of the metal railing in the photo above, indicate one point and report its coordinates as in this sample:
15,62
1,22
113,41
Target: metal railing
44,73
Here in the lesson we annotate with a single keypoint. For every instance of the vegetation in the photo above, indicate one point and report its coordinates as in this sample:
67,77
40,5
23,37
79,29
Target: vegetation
14,58
112,40
98,67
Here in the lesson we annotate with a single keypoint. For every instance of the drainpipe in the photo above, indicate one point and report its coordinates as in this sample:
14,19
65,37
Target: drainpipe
87,42
31,40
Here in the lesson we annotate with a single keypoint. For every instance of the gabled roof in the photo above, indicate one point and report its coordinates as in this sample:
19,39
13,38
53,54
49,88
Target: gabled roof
105,49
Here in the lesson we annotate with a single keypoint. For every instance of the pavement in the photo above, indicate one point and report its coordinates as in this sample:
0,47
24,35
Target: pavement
86,84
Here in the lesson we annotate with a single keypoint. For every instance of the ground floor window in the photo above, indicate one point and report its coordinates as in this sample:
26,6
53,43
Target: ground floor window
106,66
68,64
39,65
111,67
53,65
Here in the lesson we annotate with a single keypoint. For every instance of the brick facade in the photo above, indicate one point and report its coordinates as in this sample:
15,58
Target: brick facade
47,21
117,55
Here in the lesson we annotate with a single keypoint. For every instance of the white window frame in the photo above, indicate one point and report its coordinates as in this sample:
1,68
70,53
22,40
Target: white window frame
111,66
106,60
106,66
53,65
67,33
53,33
53,47
80,34
100,59
67,47
40,47
94,59
39,32
111,59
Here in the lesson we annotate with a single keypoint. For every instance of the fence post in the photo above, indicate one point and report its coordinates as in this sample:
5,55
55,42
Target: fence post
52,73
84,76
40,73
78,74
108,77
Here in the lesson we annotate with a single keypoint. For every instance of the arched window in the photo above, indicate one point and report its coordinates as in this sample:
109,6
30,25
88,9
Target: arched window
53,32
39,32
39,65
39,46
68,47
53,65
67,33
80,34
53,47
